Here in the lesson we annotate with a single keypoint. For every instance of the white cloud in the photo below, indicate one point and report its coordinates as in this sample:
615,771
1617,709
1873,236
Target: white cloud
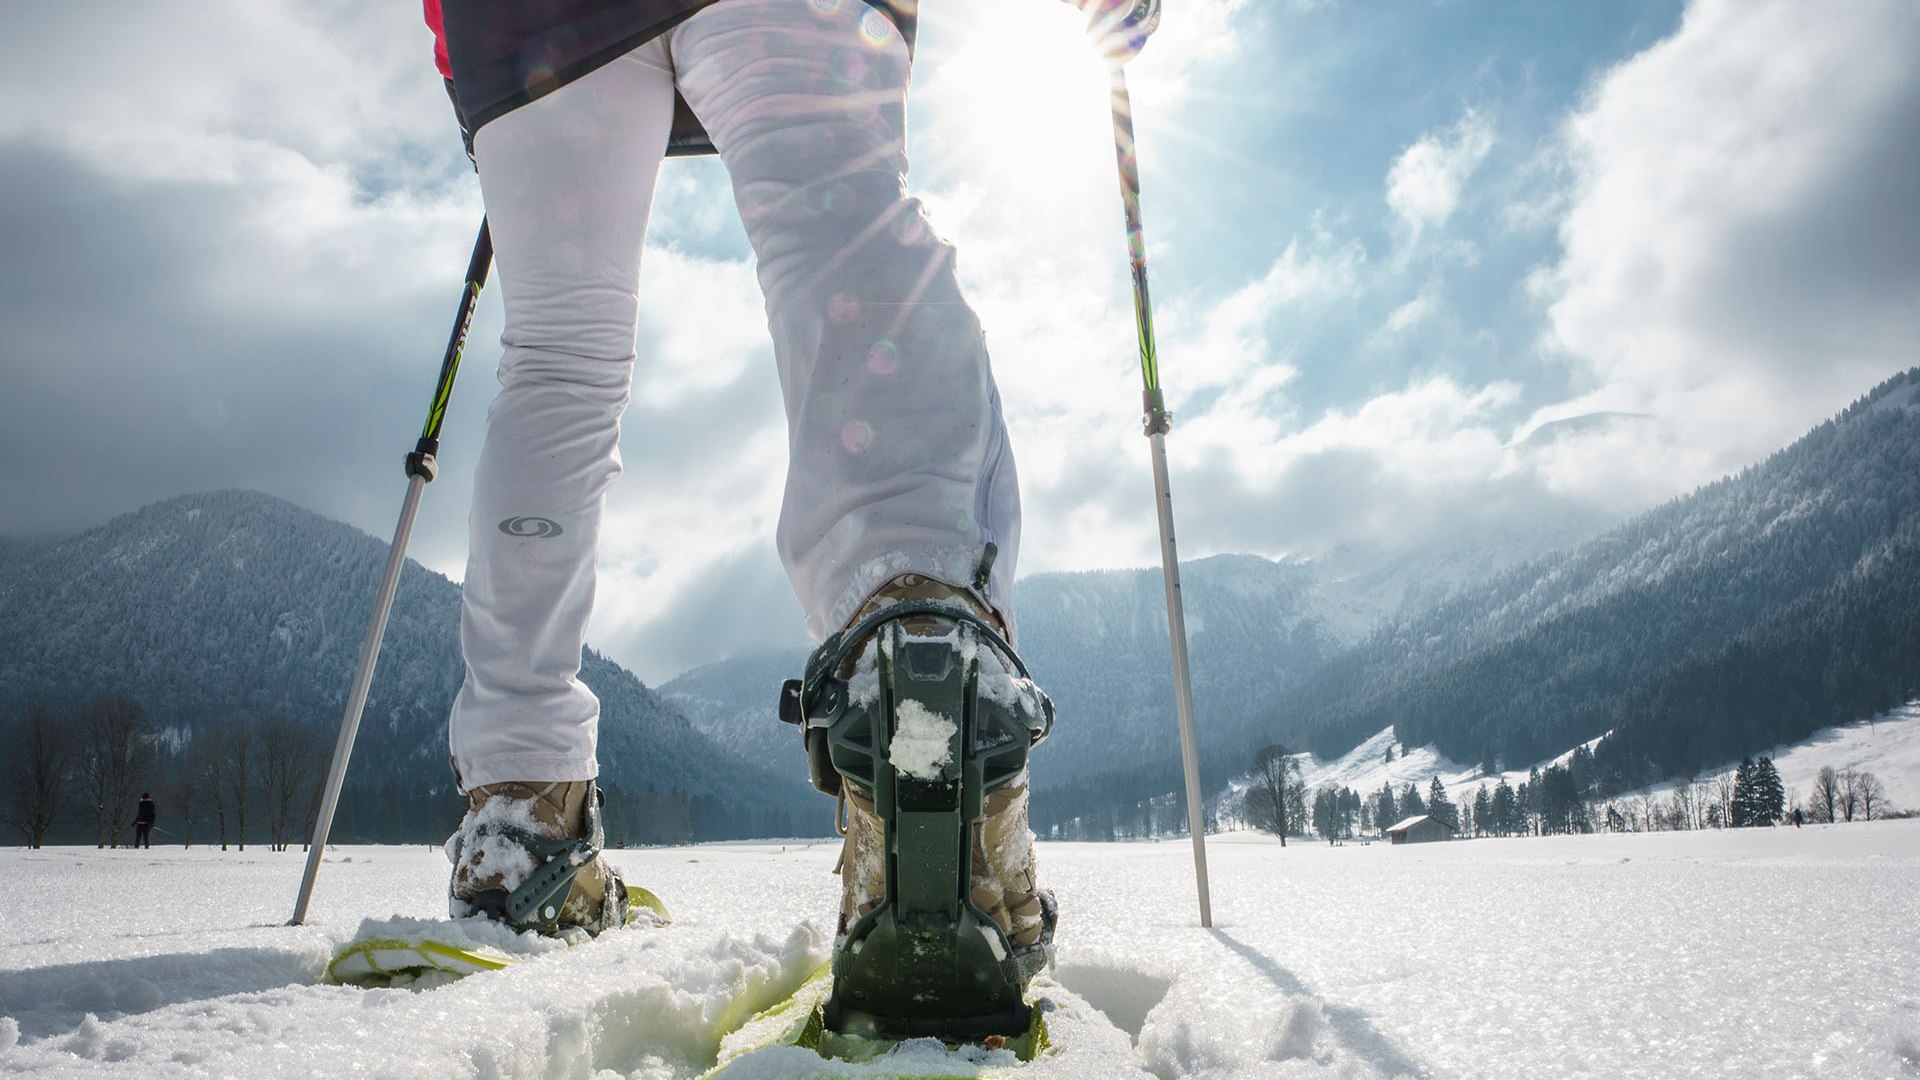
1422,466
1421,309
1425,184
1741,247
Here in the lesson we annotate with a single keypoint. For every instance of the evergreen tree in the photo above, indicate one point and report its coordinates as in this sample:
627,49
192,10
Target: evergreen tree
1411,804
1506,809
1386,811
1482,810
1439,805
1769,794
1745,796
1349,810
1326,812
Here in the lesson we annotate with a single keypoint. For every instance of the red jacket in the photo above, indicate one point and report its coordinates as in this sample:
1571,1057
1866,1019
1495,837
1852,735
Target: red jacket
439,38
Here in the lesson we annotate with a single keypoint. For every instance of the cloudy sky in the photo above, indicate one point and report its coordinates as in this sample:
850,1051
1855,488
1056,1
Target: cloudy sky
1426,274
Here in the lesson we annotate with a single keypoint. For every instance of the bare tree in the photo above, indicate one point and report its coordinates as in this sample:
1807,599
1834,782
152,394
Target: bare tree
289,776
1276,799
1646,807
1680,807
207,768
1872,794
236,752
1825,796
1723,791
1700,794
186,800
37,758
114,753
1849,794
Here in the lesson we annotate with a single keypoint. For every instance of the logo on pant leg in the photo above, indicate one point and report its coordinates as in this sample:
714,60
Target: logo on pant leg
536,528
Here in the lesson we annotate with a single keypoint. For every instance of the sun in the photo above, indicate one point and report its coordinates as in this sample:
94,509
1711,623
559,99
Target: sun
1013,94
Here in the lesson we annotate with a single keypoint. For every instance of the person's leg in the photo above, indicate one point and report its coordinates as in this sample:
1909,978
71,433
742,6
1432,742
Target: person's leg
568,181
899,459
900,476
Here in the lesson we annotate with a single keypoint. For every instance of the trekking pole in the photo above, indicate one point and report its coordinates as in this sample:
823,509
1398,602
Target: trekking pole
1158,423
421,469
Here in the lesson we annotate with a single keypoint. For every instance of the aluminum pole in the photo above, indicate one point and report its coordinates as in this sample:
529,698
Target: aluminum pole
1158,423
421,469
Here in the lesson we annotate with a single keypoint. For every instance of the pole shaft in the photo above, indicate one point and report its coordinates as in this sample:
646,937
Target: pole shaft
421,469
357,697
1182,675
456,343
1157,425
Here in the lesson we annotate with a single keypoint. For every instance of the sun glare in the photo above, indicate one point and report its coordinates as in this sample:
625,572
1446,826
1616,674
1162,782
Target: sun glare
1021,98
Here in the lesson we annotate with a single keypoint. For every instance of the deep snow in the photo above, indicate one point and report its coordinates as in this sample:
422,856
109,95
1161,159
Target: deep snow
1759,953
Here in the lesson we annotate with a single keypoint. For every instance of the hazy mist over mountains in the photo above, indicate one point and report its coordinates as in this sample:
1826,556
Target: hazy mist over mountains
1747,614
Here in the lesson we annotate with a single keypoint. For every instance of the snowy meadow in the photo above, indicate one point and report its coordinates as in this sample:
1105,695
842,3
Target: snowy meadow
1753,953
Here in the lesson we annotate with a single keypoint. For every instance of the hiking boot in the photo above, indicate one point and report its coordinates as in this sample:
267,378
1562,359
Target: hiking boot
1002,881
528,855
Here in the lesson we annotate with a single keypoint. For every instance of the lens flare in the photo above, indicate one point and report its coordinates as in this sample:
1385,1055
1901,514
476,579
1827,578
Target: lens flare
842,309
883,358
876,28
856,437
540,80
851,66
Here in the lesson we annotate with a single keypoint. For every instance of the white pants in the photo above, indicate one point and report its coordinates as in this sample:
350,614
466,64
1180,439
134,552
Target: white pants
898,459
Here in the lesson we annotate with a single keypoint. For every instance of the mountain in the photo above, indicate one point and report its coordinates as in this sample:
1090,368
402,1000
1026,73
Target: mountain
235,606
1750,613
734,703
1097,642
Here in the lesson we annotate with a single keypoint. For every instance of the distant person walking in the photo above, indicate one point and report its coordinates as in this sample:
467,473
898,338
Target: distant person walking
143,822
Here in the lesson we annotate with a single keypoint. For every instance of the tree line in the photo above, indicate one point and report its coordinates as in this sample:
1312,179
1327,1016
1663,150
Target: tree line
1562,798
79,775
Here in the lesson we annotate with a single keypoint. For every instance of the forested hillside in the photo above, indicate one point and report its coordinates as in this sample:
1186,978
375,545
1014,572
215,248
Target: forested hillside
234,608
1747,614
1097,642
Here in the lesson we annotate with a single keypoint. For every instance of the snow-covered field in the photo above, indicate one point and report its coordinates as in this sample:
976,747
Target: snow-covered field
1760,953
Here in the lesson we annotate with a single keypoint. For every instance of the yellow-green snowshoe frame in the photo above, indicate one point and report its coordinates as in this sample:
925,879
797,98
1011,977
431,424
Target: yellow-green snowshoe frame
378,962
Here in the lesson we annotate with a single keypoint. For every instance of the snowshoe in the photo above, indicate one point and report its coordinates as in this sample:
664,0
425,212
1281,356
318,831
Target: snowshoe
917,715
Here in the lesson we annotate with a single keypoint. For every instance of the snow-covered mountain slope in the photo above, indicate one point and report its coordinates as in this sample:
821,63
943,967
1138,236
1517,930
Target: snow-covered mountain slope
234,607
1887,746
735,703
1746,614
1621,956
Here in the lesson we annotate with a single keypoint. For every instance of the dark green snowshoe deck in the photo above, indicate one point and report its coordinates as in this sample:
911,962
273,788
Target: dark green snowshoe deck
926,748
799,1021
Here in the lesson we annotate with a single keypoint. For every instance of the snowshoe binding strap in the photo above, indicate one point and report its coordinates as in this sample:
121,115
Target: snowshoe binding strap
537,902
822,693
927,749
